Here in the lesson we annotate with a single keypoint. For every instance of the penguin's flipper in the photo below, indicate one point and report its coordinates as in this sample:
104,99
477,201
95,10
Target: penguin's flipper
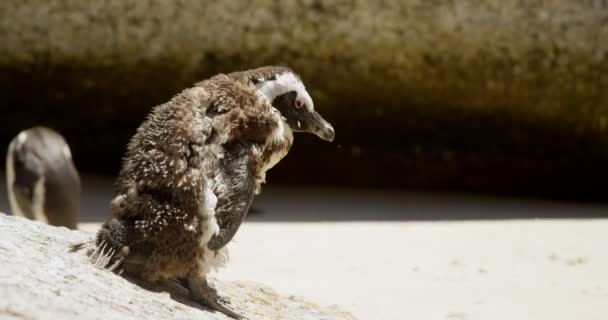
234,202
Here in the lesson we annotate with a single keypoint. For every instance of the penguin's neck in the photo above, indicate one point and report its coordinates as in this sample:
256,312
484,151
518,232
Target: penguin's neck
277,145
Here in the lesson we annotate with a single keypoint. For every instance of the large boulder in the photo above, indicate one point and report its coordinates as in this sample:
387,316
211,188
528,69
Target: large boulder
40,279
499,94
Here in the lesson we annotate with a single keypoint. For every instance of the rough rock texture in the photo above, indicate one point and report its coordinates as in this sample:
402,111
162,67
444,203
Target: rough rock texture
39,279
462,94
545,55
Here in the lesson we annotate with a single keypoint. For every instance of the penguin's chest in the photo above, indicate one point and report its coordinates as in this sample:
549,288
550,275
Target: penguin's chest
274,156
277,147
267,157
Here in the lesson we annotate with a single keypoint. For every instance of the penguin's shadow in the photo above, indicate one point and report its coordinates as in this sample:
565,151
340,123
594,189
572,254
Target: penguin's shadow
255,211
174,288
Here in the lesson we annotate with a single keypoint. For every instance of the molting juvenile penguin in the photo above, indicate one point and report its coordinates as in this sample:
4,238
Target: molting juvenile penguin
191,170
41,178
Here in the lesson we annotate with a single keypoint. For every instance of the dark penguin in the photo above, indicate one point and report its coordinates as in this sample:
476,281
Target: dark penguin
41,178
190,173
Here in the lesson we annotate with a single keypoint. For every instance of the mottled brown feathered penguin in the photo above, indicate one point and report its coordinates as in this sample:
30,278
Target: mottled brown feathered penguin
191,170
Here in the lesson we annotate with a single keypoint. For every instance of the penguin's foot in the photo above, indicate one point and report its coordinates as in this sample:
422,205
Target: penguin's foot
201,291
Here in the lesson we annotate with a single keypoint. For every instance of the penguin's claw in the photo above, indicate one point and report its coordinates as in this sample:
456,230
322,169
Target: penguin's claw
201,291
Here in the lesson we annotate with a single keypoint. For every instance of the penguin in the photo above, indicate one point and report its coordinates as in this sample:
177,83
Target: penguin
41,178
191,171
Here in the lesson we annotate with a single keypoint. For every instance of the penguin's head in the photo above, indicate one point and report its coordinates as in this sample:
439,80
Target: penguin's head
42,181
287,94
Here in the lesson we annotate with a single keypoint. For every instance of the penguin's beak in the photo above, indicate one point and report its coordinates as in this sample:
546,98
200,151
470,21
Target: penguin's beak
312,122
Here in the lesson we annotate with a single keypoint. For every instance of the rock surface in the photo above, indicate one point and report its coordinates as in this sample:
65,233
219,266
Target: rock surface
41,280
497,55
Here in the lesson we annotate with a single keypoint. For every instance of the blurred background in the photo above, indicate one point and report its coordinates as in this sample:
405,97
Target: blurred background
474,113
493,97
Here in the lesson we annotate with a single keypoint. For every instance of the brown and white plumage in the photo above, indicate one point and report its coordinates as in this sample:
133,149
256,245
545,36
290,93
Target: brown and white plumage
190,173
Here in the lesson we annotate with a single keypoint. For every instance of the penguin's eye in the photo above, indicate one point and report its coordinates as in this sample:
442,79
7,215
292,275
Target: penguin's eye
299,104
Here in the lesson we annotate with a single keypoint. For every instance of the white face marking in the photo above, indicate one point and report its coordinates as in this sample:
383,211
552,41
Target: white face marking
66,152
284,83
299,124
21,137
